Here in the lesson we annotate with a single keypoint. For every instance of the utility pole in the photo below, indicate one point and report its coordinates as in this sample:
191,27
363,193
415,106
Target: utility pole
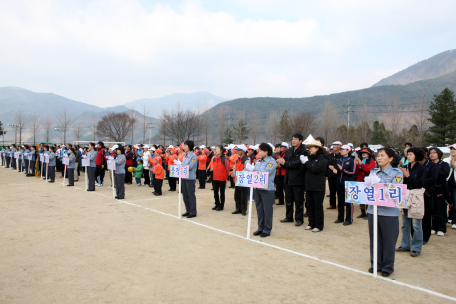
61,132
150,130
348,106
15,133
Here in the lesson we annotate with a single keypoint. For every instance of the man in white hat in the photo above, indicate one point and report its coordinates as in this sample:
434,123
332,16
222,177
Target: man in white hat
332,178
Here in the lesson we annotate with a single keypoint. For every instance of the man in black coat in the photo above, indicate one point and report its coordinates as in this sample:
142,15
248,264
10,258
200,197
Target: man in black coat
294,180
332,178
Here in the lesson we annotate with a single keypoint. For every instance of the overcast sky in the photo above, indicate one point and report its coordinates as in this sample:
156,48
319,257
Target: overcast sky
115,51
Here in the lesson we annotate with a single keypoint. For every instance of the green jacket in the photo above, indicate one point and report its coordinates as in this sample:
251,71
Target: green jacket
138,171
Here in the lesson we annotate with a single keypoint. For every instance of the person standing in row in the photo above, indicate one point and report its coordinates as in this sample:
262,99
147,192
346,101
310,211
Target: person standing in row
71,166
188,184
415,178
7,157
432,173
51,166
91,169
128,163
202,161
387,217
13,158
281,174
264,197
332,177
100,162
145,158
171,180
345,171
120,173
159,175
32,153
220,168
439,220
294,180
240,193
314,168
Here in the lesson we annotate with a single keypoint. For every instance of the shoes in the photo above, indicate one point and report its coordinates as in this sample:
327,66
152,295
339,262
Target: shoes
98,185
199,188
415,254
157,194
337,221
346,223
191,215
278,204
424,243
306,214
308,228
236,212
219,208
385,274
70,185
363,215
316,230
110,188
231,187
299,223
400,249
90,190
331,207
214,208
328,195
185,214
50,181
365,218
432,231
138,184
453,226
264,235
285,220
119,197
440,233
258,232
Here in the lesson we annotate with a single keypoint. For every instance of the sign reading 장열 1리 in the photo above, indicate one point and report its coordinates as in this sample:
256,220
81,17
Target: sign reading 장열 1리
386,195
252,179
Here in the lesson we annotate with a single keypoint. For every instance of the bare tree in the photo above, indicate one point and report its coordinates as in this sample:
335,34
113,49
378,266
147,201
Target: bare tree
304,123
21,120
64,119
363,131
255,129
420,118
47,126
273,125
35,126
144,120
328,122
78,129
206,121
115,126
392,123
93,123
221,123
179,125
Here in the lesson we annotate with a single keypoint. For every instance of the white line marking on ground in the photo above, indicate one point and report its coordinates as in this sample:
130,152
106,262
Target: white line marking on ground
283,249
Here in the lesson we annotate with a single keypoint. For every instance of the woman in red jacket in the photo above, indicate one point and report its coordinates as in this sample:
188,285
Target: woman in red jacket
220,167
364,165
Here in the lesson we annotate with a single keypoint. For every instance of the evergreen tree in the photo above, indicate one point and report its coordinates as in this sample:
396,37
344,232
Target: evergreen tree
228,139
443,114
378,134
241,132
284,127
1,129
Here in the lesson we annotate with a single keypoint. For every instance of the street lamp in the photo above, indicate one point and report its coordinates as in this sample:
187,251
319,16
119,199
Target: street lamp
3,134
61,132
15,135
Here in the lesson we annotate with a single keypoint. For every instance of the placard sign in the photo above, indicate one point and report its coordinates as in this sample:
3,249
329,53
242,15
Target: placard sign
30,157
41,158
252,179
85,162
386,195
46,159
66,161
178,171
111,164
16,154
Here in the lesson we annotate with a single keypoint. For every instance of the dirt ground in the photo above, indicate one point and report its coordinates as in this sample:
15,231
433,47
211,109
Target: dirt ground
66,245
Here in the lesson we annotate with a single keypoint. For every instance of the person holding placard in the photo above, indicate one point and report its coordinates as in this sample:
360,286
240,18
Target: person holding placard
240,193
32,154
220,168
91,169
51,165
345,171
8,157
120,172
43,164
264,197
388,217
314,167
25,155
188,184
71,167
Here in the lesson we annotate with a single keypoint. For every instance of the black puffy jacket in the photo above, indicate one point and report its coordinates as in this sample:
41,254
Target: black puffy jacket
315,170
294,176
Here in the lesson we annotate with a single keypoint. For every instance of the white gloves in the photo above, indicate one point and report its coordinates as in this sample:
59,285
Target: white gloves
372,179
110,158
177,162
303,159
250,167
84,156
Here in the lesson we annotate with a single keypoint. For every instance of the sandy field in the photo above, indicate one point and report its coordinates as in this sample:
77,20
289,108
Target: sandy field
66,245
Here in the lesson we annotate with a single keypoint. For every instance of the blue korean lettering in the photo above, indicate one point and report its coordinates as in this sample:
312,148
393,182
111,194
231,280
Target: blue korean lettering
396,193
370,193
354,190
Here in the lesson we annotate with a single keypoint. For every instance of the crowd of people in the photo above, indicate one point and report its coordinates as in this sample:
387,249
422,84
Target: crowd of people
298,176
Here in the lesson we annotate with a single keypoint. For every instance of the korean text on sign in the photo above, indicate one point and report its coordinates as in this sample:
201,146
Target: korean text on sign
252,179
387,195
178,171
